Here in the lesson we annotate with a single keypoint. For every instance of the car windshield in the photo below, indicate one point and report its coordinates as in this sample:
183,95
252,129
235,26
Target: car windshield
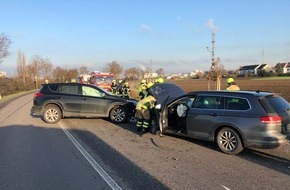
103,79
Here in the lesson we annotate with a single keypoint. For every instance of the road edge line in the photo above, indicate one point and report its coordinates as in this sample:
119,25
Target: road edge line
89,158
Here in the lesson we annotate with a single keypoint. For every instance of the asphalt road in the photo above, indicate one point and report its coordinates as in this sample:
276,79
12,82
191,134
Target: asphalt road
96,154
36,155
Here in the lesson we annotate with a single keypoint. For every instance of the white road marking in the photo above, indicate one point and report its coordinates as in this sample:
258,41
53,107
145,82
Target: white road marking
225,187
93,163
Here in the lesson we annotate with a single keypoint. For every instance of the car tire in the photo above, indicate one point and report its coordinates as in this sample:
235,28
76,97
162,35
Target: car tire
118,114
229,141
51,114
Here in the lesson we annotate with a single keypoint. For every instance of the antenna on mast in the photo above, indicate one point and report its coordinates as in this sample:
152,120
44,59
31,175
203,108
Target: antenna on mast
214,65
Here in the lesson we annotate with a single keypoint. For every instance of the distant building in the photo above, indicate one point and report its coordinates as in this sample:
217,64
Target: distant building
3,74
195,73
282,68
255,69
150,75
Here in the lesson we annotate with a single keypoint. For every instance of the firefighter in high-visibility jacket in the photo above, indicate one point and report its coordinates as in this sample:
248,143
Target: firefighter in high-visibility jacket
232,86
143,113
114,86
125,91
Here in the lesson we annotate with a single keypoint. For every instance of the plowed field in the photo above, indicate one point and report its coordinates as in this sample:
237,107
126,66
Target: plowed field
281,86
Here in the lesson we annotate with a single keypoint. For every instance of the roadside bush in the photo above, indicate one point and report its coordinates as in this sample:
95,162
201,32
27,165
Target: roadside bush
10,86
284,75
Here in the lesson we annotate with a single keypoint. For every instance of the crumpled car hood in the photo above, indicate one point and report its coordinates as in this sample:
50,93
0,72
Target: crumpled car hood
165,92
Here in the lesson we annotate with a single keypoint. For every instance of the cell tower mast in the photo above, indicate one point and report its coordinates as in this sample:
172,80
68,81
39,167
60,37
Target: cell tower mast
214,65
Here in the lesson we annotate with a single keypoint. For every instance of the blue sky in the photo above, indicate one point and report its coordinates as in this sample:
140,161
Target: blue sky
169,34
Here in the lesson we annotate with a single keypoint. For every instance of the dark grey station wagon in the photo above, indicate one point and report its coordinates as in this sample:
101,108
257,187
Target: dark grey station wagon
234,120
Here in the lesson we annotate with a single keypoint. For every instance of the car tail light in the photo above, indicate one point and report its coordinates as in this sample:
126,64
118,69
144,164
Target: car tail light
270,119
38,94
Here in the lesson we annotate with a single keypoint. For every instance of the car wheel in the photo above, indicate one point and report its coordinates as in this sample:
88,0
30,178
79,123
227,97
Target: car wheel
118,114
229,141
52,114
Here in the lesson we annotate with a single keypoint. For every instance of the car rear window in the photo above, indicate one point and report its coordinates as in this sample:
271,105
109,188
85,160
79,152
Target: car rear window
278,103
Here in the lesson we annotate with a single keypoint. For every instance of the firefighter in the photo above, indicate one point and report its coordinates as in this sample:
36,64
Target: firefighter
142,83
143,92
114,86
119,93
232,85
159,80
125,91
142,115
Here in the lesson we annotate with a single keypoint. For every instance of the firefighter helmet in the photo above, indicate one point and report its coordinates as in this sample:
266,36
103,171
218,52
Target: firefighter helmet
149,84
230,80
160,80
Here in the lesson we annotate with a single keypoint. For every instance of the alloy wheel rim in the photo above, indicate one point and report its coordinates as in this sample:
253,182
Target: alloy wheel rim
118,115
228,141
52,115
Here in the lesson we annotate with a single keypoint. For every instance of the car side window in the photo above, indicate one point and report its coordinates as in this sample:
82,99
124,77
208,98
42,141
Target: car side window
209,102
69,89
89,91
53,87
234,103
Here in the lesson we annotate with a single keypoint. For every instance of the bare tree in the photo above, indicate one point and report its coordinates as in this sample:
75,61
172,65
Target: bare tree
21,65
72,74
4,45
84,70
133,73
47,69
114,68
59,74
40,67
65,75
160,72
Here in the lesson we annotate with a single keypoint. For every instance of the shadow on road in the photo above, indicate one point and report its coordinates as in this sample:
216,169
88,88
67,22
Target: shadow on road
270,158
123,171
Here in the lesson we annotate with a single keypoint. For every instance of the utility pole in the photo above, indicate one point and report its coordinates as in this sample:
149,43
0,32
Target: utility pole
214,66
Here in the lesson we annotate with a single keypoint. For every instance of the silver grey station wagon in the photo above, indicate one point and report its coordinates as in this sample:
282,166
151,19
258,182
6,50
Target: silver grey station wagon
233,119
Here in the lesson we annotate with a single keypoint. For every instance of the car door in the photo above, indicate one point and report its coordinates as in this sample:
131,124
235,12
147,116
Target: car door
94,102
70,99
204,115
171,112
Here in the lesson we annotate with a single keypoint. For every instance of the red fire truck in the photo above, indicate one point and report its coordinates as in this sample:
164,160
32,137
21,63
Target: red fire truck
101,79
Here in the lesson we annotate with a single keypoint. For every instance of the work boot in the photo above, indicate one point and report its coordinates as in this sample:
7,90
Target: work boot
144,130
139,129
